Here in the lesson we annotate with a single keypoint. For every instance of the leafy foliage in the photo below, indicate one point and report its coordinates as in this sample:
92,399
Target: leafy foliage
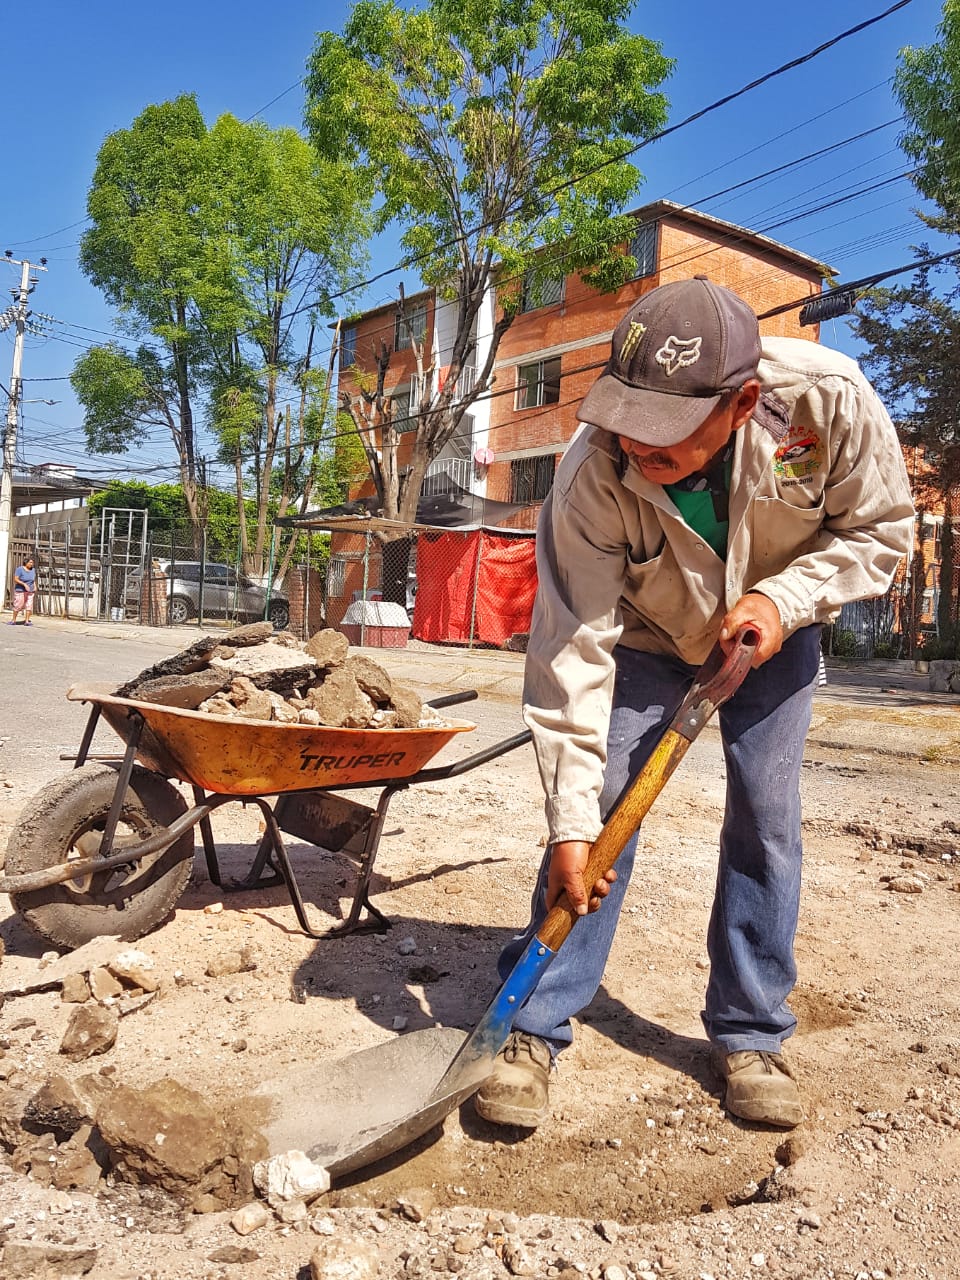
496,134
913,335
928,87
124,395
220,248
913,331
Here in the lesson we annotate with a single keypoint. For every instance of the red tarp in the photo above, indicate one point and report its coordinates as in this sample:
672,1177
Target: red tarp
473,586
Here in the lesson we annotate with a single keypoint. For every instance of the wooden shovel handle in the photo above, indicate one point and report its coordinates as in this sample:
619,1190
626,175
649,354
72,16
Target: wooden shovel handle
717,681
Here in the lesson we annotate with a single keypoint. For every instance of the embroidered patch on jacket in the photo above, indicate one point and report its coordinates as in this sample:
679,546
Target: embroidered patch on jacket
677,353
800,454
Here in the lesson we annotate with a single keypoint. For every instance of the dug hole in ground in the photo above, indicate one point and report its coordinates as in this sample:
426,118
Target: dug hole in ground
638,1171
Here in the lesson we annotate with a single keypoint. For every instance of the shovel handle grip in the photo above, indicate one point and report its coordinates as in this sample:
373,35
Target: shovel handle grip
716,682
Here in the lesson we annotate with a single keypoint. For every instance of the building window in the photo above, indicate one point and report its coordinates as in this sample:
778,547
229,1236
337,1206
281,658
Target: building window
336,578
404,409
538,383
416,320
643,247
348,347
930,530
541,291
531,478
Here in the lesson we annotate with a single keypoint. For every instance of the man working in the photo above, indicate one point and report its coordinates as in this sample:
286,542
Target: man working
714,485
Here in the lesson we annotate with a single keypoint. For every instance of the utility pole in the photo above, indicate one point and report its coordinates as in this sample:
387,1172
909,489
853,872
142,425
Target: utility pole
18,313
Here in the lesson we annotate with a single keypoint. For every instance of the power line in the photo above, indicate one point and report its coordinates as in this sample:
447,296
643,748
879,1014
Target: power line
793,164
681,124
282,94
51,234
801,160
804,124
331,438
560,257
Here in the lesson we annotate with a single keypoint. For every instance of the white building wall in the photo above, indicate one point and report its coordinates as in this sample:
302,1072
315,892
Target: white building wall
444,332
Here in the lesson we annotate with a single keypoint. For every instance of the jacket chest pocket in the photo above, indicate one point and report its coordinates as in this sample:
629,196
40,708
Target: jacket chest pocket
782,532
661,593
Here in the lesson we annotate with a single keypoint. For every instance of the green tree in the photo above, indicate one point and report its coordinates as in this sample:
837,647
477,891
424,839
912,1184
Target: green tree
168,515
496,133
927,85
912,331
285,230
220,249
145,251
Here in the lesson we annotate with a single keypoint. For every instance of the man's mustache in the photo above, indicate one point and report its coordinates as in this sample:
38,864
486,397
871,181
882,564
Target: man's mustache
659,460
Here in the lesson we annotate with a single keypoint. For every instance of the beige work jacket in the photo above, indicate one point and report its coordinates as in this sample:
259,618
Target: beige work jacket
820,514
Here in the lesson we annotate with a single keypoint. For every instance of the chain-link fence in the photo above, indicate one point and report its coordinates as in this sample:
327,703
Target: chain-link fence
473,587
123,569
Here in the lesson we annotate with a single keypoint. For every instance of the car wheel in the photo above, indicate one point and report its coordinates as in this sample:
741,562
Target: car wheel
181,611
279,615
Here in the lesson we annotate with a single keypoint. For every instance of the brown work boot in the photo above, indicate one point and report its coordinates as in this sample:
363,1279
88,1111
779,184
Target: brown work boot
760,1087
516,1091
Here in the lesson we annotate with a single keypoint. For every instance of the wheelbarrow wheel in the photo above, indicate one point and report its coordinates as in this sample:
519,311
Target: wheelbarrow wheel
64,822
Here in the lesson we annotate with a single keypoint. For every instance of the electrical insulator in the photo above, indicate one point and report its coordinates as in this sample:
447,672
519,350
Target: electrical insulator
838,302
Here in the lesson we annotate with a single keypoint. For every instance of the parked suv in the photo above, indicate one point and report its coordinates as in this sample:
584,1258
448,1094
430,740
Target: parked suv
226,594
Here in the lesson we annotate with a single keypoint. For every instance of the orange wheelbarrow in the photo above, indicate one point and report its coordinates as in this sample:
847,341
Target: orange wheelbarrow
107,849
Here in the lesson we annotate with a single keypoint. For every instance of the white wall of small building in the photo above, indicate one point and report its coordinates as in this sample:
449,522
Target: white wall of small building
445,321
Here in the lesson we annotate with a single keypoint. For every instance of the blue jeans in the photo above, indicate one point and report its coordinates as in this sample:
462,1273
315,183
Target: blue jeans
756,903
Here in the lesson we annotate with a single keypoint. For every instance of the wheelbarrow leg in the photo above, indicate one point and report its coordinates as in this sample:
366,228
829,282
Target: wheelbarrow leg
206,834
272,846
272,837
87,738
124,775
361,896
255,879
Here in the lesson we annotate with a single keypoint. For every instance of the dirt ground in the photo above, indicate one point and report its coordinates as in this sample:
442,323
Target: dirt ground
638,1171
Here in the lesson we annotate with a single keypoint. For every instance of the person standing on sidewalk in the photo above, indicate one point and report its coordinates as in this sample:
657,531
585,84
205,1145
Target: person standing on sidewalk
24,586
714,484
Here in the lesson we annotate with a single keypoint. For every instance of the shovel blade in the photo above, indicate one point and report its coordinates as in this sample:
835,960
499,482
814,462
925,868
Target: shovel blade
353,1111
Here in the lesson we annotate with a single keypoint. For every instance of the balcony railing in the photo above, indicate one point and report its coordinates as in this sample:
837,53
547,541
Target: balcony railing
466,381
458,470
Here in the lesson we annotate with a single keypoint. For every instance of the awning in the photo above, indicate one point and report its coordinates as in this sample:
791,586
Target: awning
453,507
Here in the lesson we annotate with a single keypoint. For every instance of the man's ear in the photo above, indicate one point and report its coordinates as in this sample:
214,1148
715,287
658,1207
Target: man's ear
746,402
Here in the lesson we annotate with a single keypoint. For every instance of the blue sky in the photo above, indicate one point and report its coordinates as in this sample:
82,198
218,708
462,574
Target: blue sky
77,72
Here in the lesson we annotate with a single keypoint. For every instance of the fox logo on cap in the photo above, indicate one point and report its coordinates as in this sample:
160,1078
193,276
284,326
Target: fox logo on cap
677,353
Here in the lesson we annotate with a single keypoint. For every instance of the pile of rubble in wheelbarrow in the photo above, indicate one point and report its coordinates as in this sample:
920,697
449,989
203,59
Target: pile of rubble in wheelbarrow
256,673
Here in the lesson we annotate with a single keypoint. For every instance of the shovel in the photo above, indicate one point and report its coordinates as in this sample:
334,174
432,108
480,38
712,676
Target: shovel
341,1114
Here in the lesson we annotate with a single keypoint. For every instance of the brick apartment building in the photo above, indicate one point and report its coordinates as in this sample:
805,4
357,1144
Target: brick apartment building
510,441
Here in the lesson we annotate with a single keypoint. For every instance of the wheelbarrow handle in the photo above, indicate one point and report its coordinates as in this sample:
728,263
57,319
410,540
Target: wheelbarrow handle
716,682
452,699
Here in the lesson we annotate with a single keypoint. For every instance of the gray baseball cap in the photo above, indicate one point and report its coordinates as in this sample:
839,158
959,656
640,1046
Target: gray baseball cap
673,355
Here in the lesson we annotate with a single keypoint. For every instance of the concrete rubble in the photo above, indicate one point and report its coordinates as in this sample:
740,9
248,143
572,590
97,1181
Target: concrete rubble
92,1029
290,1176
258,674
